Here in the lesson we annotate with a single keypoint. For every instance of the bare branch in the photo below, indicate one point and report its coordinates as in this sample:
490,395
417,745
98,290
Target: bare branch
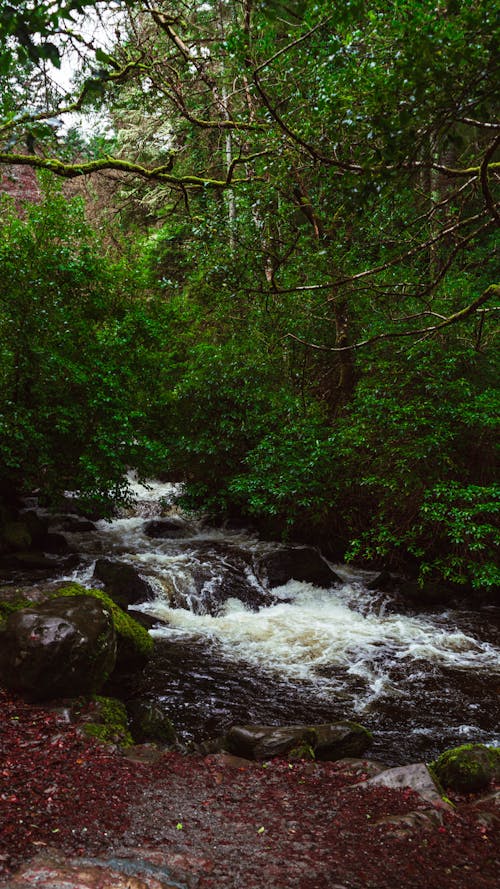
492,291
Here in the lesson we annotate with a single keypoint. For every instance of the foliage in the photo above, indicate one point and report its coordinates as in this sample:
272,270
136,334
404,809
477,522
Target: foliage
72,344
308,197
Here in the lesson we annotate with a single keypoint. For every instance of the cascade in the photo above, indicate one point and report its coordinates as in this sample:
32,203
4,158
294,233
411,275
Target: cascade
231,650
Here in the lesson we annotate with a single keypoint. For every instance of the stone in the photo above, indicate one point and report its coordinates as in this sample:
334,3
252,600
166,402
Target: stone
149,722
416,776
16,535
296,563
329,742
122,582
53,871
170,528
61,648
468,769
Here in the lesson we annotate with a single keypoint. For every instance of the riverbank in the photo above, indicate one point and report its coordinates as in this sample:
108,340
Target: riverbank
217,821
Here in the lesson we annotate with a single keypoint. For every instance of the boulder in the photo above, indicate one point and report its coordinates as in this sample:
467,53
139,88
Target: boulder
296,563
54,543
417,777
468,769
122,582
134,645
47,565
332,741
37,526
170,528
60,648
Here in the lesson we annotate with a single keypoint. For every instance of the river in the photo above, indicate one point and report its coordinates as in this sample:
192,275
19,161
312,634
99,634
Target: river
420,681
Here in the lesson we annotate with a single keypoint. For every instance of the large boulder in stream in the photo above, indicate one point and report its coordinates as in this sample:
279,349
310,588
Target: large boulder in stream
60,648
332,741
122,582
296,563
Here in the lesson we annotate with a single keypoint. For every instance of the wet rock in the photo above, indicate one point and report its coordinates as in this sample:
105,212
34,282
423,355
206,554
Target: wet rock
122,582
72,524
221,572
148,722
468,769
415,776
331,741
54,543
384,582
170,528
63,647
33,561
53,871
296,563
16,535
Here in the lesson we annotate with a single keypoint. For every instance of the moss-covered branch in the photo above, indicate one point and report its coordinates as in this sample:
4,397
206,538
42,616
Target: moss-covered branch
157,174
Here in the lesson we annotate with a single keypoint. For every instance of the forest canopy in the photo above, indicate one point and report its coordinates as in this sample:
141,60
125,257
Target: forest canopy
302,203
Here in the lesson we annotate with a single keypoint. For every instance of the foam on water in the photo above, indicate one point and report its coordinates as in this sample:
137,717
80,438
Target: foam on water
315,633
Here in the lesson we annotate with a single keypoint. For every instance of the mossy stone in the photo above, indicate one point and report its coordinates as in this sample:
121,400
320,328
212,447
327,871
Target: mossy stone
110,723
135,645
467,769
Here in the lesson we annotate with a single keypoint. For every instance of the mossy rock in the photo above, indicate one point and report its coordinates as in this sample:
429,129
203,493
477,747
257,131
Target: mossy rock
58,648
110,722
150,723
7,608
16,535
134,644
325,742
467,769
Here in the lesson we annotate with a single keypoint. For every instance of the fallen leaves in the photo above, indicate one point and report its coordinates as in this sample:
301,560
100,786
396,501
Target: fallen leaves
307,827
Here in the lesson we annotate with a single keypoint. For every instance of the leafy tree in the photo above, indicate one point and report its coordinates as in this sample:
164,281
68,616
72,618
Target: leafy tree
315,193
73,345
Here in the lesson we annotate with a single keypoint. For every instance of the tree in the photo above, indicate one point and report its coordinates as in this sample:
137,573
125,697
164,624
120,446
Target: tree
73,347
316,193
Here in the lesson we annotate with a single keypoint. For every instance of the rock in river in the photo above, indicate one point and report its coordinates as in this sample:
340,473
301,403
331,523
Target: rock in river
296,563
331,741
63,647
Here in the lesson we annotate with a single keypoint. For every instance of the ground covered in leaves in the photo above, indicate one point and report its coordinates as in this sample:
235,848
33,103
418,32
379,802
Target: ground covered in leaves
222,823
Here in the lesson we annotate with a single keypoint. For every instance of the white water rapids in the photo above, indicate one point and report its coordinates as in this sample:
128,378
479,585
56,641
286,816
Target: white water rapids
348,650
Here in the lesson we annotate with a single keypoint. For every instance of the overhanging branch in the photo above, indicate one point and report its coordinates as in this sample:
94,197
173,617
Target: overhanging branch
157,174
492,291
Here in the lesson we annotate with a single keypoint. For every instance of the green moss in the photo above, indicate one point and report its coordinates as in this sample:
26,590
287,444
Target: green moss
111,723
468,768
127,629
302,751
7,608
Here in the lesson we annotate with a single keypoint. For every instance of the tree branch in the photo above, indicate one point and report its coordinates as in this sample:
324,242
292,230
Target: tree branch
159,174
492,291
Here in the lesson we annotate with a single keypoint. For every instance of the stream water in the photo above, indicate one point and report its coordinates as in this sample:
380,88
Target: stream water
230,651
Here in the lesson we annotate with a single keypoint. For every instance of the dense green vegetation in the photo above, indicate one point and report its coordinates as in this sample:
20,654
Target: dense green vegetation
293,305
